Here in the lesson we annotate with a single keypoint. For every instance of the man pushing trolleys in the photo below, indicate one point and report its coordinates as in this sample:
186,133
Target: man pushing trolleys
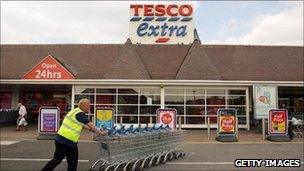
68,136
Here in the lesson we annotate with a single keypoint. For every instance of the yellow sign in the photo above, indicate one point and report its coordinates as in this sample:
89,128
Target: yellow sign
104,115
104,118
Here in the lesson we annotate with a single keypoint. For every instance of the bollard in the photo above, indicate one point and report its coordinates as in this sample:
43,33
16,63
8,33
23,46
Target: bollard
179,123
237,127
120,120
208,128
263,129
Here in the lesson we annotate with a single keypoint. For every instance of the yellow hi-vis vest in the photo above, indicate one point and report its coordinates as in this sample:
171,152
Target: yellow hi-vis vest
70,127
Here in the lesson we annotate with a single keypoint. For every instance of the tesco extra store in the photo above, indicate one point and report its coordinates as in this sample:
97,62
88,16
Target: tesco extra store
153,69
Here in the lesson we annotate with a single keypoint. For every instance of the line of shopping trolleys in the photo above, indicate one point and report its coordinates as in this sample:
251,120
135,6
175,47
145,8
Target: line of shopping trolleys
136,148
8,117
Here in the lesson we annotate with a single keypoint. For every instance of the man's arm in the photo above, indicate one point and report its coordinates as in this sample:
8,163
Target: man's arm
93,128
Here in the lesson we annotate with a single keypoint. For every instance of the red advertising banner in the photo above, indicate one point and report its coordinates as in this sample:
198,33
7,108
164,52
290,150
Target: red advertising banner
227,121
278,121
167,117
49,68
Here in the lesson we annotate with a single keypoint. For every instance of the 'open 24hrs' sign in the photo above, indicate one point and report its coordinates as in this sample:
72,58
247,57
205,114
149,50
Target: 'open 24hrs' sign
159,23
48,68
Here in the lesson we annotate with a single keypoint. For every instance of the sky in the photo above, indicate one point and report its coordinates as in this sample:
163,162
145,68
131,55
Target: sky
104,22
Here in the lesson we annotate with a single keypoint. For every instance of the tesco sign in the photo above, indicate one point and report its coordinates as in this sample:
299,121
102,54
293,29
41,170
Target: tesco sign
169,24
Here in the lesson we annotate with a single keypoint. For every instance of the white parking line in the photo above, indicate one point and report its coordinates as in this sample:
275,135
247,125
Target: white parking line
8,142
25,159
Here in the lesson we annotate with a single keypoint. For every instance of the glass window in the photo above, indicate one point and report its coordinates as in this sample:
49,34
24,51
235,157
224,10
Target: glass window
240,110
127,91
215,100
195,100
127,99
127,110
174,91
105,99
216,91
129,119
195,120
106,91
80,96
236,100
149,110
195,110
150,99
147,119
212,110
149,91
236,92
180,109
242,119
81,89
170,99
106,106
195,91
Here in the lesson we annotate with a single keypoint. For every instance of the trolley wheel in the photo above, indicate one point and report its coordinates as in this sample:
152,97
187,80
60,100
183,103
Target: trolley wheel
176,155
152,161
119,166
145,163
166,157
136,166
171,155
183,154
128,166
96,164
102,168
160,158
110,167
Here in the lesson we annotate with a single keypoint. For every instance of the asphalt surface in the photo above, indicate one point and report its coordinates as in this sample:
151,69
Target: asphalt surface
34,154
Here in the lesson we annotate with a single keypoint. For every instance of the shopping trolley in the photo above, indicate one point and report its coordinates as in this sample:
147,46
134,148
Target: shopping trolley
136,148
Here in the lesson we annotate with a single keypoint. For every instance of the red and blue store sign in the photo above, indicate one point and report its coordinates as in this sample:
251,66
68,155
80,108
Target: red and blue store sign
161,22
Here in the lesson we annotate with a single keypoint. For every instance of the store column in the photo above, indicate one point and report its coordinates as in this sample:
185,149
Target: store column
162,97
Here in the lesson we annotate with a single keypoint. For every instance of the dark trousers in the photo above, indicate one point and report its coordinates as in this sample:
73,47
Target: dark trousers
62,151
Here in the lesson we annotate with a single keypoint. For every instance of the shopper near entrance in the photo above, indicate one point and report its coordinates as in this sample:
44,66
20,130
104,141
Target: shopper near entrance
21,121
68,135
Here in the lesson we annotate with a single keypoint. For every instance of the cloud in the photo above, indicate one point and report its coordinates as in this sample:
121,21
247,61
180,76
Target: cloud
284,28
66,22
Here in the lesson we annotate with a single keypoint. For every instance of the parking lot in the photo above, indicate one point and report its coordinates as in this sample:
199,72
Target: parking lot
21,151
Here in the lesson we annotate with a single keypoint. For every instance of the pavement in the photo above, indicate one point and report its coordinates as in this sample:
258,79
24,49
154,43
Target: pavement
20,150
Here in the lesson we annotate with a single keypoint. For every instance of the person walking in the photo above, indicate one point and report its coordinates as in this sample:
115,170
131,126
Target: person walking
68,135
21,121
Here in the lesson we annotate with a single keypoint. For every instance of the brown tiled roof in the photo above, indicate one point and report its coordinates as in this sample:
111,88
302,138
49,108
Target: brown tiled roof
198,65
134,61
162,61
127,65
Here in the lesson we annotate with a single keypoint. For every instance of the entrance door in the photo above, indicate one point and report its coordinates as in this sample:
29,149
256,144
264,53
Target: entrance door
35,96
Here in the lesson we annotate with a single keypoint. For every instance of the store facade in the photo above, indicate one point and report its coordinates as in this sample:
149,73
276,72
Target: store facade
136,80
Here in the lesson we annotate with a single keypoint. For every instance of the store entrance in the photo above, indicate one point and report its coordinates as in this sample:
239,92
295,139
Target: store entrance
293,98
35,96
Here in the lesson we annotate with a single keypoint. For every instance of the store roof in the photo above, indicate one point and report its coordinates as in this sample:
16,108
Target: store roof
160,62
